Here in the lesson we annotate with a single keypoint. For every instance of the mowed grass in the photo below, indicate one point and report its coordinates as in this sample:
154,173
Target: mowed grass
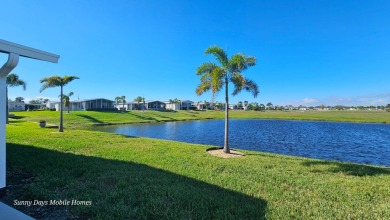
80,119
141,178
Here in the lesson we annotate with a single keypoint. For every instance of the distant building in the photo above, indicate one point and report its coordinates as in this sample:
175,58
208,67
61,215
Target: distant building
29,107
186,104
84,105
172,106
16,106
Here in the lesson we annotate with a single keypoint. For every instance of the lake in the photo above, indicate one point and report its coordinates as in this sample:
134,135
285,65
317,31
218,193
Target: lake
352,142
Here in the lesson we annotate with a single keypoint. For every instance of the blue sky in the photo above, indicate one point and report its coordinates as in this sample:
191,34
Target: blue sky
308,52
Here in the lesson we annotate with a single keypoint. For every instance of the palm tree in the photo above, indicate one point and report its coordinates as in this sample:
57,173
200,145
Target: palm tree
138,100
270,105
214,78
239,105
117,100
55,81
66,100
122,99
175,101
170,104
262,107
245,105
12,81
19,99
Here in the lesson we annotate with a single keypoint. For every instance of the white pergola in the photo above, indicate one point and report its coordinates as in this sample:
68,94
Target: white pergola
14,51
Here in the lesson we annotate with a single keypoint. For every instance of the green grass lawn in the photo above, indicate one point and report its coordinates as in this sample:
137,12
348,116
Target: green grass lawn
80,119
141,178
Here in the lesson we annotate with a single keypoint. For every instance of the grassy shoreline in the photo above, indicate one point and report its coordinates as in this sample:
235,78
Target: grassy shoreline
82,119
137,178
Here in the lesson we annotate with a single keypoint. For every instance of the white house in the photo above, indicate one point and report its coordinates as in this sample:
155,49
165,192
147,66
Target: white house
16,106
172,106
233,106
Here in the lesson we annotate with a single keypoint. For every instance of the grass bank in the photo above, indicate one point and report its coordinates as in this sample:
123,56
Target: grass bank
140,178
80,119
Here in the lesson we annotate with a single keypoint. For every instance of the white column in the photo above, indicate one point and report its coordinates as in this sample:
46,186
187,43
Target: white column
11,63
2,132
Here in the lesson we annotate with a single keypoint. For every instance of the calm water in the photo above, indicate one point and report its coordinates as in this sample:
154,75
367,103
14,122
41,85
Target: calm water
353,142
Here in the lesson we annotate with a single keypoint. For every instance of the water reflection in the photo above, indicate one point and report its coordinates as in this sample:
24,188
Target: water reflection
360,143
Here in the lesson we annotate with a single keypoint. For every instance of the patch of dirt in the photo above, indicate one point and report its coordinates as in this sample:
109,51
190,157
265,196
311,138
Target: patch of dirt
220,153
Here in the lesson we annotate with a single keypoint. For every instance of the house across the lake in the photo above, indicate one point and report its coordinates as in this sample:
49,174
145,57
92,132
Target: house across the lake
147,105
16,106
100,104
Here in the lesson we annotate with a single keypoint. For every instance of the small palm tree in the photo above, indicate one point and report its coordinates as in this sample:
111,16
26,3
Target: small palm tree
12,81
270,105
245,105
175,101
57,81
214,78
170,104
66,100
138,100
121,99
239,105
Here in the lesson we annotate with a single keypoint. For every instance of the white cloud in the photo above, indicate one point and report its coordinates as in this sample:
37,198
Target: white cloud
309,101
305,101
368,100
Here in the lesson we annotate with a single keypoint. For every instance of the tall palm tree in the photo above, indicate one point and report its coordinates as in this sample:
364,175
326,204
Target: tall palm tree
66,100
214,78
12,81
138,100
57,81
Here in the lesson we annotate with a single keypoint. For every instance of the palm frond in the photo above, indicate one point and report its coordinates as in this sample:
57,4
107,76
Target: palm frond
240,62
219,53
52,81
13,80
203,87
68,79
217,80
251,86
205,68
238,81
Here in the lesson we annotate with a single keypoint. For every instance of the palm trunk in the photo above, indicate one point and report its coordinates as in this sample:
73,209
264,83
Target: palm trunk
68,107
61,112
6,105
226,148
